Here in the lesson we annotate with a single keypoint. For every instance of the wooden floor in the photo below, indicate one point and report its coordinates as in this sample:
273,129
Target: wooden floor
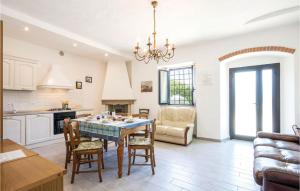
201,166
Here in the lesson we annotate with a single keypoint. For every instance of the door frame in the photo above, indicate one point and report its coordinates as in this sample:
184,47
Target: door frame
275,93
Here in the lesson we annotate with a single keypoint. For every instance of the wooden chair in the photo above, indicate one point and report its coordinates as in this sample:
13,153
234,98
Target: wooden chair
296,130
67,141
83,152
142,133
142,143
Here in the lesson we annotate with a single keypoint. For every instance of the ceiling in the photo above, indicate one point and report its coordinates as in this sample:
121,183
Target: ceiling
115,25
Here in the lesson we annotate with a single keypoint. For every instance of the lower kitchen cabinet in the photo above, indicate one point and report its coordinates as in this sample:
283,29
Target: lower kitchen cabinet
39,128
14,129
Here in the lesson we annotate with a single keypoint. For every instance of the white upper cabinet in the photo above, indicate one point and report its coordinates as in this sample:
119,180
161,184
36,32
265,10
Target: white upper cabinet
8,70
25,76
19,73
14,129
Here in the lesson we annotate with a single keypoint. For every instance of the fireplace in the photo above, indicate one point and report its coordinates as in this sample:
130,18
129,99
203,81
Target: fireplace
119,108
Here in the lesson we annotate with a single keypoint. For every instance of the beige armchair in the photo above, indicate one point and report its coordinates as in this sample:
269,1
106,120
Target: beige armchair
175,125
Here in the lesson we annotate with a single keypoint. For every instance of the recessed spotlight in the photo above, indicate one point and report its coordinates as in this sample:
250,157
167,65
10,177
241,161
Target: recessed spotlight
106,54
74,44
26,28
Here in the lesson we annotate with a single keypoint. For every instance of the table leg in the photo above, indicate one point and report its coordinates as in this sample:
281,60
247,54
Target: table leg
120,153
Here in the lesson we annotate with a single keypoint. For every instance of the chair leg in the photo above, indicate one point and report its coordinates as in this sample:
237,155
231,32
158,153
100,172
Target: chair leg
126,140
102,159
100,155
105,145
146,155
154,157
151,160
89,158
129,160
74,168
78,158
134,152
67,158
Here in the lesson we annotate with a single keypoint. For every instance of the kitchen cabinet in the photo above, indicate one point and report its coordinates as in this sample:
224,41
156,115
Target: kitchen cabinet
19,73
8,71
14,129
39,128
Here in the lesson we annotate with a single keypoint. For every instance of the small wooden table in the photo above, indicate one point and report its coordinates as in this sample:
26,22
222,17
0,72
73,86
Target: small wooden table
32,172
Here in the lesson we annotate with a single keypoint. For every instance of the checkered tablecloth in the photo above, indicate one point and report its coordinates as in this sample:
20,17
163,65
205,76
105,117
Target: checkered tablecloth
109,131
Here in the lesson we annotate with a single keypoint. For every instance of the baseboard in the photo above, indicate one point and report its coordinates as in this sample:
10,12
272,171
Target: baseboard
36,145
214,140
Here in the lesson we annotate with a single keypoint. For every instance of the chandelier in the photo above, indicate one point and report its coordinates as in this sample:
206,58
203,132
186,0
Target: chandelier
151,52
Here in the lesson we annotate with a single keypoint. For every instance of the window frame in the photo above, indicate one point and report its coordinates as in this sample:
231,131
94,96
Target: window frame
168,85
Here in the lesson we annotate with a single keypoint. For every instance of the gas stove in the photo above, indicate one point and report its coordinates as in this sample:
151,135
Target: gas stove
58,109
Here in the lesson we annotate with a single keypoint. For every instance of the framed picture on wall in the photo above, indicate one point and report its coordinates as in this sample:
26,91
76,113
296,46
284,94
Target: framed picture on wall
146,86
78,85
144,111
88,79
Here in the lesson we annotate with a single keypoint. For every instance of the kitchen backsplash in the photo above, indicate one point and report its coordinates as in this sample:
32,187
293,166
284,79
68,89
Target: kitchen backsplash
40,99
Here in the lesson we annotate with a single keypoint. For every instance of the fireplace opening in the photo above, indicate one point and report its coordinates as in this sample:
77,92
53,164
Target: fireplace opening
119,108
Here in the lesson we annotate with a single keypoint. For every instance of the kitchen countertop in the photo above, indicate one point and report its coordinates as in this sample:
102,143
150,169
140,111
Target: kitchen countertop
32,112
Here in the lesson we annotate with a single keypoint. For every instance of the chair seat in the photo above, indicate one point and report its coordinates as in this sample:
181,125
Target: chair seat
84,139
140,141
91,145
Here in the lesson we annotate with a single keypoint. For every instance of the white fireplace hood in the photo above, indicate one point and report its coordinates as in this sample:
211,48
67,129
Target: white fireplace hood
56,79
117,85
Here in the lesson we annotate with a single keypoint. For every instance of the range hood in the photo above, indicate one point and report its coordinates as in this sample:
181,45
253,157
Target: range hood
117,85
56,79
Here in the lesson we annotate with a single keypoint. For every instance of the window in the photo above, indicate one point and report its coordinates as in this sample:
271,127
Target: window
176,86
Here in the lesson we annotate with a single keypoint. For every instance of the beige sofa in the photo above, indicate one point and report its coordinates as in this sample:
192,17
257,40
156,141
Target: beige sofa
175,125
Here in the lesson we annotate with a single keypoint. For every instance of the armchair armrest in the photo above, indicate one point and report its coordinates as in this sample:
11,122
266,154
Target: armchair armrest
282,176
278,136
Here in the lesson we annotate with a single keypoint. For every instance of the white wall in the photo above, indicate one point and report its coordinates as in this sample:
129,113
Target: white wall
73,66
205,55
297,73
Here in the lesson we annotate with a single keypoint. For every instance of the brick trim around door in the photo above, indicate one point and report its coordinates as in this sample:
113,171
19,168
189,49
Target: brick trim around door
258,49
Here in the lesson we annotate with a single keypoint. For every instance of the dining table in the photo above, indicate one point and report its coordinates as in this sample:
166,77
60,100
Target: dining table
112,130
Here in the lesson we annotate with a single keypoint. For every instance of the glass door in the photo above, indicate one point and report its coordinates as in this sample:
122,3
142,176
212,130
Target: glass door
254,100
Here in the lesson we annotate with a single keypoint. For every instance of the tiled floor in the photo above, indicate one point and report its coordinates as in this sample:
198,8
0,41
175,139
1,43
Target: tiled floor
201,166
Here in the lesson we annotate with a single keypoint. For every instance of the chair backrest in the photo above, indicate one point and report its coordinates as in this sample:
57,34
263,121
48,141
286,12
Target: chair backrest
140,115
74,134
152,131
66,129
296,130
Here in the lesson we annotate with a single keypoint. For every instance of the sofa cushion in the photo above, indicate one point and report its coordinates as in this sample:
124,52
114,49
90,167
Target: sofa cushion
177,114
175,123
277,154
170,131
262,163
276,143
